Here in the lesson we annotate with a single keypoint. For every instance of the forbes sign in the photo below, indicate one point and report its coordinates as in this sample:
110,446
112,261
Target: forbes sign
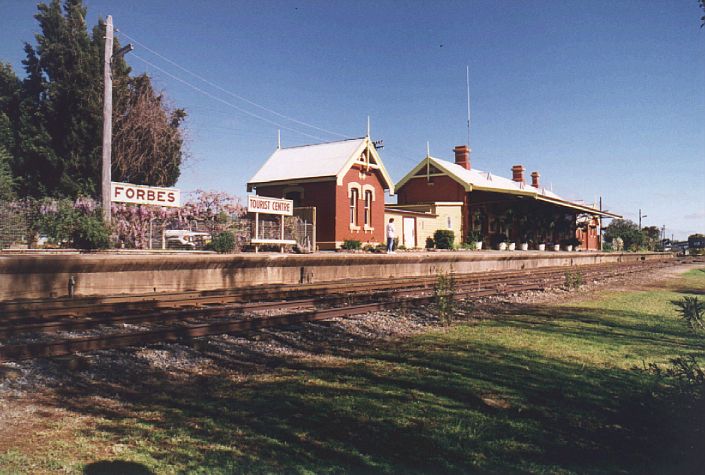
145,195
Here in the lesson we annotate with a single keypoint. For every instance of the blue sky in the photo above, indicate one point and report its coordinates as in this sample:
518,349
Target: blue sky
602,98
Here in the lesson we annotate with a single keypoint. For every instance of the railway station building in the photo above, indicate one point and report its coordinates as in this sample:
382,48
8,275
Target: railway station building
345,181
495,209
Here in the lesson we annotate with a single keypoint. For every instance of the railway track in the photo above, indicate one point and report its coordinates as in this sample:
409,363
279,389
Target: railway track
239,310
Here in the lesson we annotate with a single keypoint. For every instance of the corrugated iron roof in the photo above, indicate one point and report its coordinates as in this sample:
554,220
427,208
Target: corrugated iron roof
307,161
475,179
323,160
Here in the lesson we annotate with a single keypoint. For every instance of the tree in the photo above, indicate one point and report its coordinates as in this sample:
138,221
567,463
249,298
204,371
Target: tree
702,18
147,145
7,182
652,235
627,230
57,120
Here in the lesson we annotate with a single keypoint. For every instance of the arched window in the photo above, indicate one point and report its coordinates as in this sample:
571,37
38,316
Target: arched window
353,206
368,208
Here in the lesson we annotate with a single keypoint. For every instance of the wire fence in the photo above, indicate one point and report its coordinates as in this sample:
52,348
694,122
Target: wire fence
21,227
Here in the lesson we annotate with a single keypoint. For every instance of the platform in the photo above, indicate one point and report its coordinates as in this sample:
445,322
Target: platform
39,276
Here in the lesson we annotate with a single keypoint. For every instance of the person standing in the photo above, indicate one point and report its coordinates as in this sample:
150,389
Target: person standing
390,236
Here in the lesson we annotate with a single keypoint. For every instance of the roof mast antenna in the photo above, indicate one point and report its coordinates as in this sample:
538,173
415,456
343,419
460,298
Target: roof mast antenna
467,83
279,139
368,126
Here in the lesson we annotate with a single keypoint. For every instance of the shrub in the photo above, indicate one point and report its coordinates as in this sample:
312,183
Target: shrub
76,224
351,245
692,311
90,232
444,238
573,280
618,244
223,242
429,243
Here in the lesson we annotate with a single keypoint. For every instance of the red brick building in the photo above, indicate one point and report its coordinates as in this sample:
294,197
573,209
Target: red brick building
501,209
345,181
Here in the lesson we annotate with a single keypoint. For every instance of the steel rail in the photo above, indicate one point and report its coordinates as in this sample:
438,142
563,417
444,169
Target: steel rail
185,332
59,308
52,326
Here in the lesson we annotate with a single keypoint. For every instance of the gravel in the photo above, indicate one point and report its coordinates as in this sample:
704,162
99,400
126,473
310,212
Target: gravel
240,356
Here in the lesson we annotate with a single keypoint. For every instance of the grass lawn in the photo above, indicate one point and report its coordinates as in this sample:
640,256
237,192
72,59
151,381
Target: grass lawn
540,389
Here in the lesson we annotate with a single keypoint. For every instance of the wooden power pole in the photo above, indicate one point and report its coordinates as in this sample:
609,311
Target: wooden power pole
108,113
107,118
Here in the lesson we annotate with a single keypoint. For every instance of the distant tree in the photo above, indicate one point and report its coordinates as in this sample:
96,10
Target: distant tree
702,18
652,235
627,230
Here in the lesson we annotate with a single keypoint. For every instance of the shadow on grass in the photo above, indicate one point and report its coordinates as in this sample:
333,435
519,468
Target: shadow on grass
443,402
116,467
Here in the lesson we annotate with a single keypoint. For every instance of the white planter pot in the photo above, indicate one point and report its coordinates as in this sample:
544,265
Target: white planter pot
568,247
542,247
512,246
502,246
556,247
524,246
478,245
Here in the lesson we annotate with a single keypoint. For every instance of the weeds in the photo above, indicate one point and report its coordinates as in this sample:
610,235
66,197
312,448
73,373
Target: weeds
444,293
692,310
686,373
573,280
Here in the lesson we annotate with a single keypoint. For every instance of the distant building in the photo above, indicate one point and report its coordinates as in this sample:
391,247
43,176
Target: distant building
345,181
497,208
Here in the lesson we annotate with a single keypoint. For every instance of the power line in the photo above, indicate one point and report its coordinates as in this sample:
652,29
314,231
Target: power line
223,101
237,96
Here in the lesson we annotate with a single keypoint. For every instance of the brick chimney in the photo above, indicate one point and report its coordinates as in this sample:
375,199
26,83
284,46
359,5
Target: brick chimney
535,179
462,156
518,173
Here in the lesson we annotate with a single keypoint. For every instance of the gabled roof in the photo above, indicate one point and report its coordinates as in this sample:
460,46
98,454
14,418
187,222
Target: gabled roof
330,160
485,181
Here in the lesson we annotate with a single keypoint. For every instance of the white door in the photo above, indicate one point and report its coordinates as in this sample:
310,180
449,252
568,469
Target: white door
409,233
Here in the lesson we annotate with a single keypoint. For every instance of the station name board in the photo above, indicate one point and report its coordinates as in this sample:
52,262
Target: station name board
145,195
263,204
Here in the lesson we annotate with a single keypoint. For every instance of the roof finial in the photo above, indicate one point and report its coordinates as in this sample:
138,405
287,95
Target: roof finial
428,148
279,139
368,126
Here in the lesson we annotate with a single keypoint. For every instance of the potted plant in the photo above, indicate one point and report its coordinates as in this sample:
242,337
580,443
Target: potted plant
566,245
525,241
556,247
475,238
511,246
576,243
542,246
498,241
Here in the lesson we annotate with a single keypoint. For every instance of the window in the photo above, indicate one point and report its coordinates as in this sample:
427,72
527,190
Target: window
353,206
368,208
450,223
